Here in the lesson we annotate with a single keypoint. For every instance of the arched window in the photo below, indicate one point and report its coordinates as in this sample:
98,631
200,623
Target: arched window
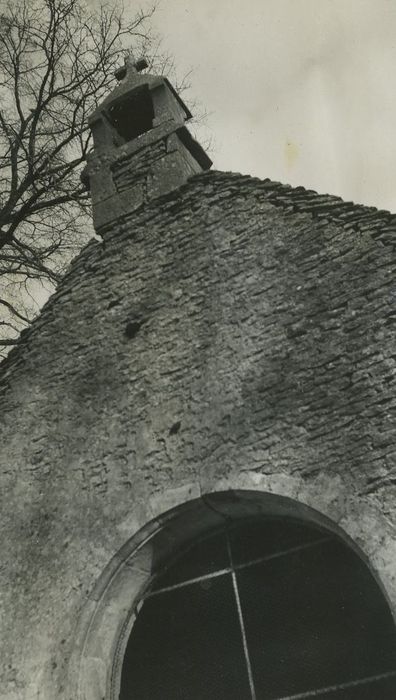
262,609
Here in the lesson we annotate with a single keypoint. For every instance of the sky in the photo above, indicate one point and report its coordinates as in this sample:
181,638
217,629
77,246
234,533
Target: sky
300,91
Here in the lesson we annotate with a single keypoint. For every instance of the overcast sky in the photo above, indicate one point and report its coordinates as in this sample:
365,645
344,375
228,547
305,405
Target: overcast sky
301,91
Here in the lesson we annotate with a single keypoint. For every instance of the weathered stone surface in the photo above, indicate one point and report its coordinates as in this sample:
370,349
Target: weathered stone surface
233,334
142,148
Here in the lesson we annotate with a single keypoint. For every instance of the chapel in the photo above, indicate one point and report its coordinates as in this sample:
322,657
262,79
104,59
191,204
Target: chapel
198,475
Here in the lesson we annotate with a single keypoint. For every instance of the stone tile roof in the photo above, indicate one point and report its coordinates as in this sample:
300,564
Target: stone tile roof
217,186
326,207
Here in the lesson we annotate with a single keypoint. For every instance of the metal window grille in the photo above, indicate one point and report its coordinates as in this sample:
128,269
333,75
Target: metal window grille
263,610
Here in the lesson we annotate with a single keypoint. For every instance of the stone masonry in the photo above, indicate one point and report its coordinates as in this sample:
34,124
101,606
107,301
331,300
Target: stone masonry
234,333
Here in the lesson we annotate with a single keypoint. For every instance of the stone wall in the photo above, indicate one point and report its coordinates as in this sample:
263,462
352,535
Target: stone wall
235,334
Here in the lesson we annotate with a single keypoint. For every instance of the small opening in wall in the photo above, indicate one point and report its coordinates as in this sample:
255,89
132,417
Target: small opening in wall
174,429
133,115
132,329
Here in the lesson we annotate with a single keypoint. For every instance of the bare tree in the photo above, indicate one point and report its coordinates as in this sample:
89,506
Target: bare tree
57,61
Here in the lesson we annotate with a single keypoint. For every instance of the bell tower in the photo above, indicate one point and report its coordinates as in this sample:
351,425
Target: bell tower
142,148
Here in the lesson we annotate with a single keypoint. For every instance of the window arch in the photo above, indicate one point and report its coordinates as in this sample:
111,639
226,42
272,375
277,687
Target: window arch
264,607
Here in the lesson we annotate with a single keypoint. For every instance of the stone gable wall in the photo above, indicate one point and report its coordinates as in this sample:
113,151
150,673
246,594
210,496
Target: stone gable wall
222,337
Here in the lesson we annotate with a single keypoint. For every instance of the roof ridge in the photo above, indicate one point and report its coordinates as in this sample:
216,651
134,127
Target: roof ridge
302,200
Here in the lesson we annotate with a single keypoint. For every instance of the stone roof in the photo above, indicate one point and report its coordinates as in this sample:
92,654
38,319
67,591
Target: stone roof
219,186
326,207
